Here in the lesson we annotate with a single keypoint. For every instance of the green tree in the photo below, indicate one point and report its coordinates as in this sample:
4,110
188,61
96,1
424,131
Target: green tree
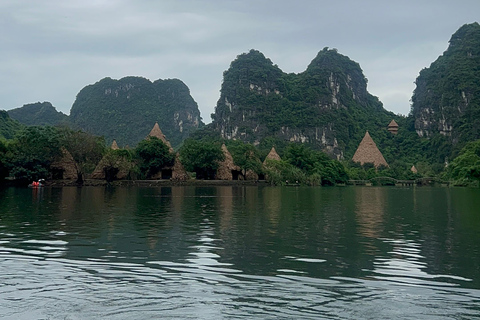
280,172
466,167
86,149
245,156
201,157
115,161
301,157
153,155
316,165
32,152
3,160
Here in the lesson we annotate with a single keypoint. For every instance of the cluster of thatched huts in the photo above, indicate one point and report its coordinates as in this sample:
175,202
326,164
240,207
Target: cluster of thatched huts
66,168
110,168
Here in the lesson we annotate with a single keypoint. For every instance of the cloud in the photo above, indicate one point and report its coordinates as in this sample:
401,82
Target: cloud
51,49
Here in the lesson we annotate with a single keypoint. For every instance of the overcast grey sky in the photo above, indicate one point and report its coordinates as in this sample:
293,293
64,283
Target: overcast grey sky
51,49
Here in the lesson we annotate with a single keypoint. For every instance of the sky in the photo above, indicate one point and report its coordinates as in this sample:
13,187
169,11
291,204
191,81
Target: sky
51,49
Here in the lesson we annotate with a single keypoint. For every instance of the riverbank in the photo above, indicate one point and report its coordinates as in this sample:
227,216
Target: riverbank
156,183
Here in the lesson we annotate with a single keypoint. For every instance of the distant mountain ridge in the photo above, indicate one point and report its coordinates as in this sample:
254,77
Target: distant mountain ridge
38,114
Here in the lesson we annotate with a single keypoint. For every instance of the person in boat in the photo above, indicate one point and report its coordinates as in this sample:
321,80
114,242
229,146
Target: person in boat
36,184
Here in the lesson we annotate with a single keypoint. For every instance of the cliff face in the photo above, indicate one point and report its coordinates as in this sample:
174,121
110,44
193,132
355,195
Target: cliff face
38,114
126,109
327,105
446,99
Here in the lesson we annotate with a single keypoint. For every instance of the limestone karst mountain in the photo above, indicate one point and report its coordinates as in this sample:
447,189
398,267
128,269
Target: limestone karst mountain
327,106
446,99
124,109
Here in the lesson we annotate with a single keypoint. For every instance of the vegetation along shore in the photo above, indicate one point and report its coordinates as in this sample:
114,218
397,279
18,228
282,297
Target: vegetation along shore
317,127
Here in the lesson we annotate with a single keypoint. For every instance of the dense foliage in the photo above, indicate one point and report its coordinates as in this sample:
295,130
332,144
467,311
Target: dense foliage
33,151
327,105
153,155
39,114
246,156
446,100
8,127
86,150
201,157
465,169
3,160
127,109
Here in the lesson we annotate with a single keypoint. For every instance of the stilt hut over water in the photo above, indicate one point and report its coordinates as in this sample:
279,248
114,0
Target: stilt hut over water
367,152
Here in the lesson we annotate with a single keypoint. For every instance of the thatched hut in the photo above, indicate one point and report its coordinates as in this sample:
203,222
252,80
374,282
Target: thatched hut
114,145
227,170
414,169
65,167
156,132
393,127
177,171
367,152
272,155
112,167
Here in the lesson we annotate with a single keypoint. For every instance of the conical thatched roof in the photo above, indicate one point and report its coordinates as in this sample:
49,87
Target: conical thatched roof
156,132
272,155
393,127
178,171
224,171
67,165
368,152
114,145
413,169
122,164
393,123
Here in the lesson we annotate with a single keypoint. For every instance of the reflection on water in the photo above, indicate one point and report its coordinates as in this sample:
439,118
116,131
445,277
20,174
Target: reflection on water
239,252
369,209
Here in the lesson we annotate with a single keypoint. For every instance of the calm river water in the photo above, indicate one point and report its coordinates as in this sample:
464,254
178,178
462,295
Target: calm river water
240,253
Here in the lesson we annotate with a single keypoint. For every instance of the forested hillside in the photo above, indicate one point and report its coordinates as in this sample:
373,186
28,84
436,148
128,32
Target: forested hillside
446,100
127,109
39,114
8,126
327,106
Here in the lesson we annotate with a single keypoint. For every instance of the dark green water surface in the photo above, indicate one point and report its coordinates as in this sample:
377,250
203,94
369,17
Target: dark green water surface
240,253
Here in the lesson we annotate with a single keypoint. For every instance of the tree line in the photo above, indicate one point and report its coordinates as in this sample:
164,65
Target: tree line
32,155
